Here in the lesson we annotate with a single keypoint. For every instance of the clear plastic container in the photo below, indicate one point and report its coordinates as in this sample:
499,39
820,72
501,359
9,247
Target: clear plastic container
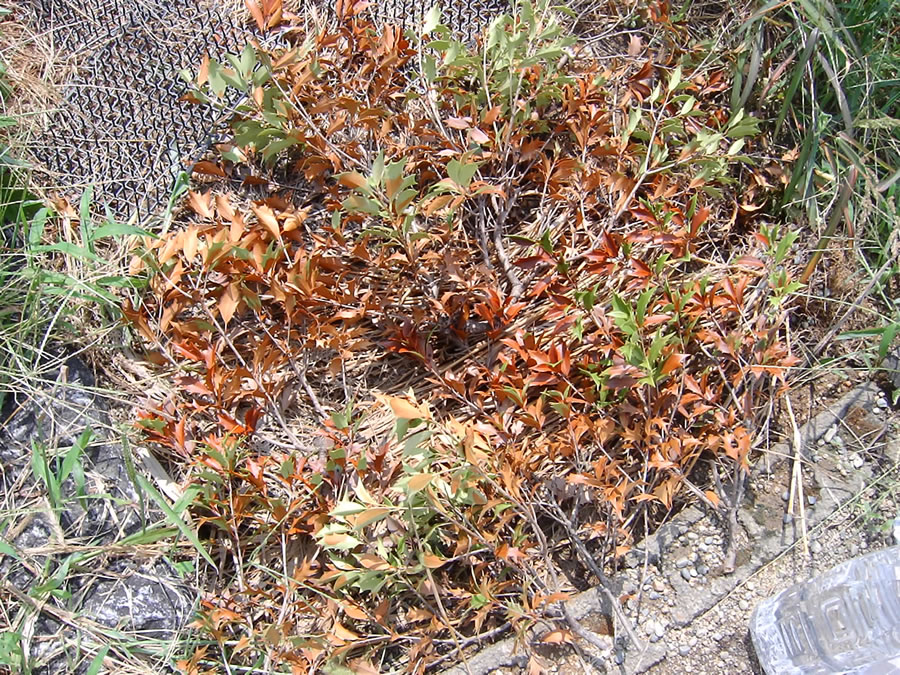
846,620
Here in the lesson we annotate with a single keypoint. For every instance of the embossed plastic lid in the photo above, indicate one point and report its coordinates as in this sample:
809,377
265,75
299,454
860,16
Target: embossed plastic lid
846,620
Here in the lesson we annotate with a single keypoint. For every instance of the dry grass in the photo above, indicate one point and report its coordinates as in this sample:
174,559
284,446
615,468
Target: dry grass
35,71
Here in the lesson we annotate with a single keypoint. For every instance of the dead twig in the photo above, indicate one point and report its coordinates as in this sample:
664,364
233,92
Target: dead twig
555,512
515,284
733,502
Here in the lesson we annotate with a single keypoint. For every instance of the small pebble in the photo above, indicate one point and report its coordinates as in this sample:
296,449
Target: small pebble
743,605
831,433
821,442
653,628
684,650
693,572
658,585
785,495
750,586
811,500
682,563
788,519
856,460
709,540
686,574
854,550
653,595
702,569
815,546
693,556
837,441
693,641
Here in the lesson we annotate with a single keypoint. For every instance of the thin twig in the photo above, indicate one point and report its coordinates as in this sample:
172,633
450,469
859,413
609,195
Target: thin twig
467,642
515,283
605,584
797,477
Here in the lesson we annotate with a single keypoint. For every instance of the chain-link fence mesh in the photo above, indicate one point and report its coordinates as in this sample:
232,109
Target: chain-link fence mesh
122,126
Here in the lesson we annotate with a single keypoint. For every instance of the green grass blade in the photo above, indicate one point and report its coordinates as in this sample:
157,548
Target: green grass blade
84,217
97,662
796,76
805,159
174,518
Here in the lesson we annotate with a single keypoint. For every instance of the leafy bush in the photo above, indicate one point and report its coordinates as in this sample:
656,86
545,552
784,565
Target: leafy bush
532,257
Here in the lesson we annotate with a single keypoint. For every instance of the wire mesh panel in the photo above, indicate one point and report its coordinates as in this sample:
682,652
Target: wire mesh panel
122,126
466,18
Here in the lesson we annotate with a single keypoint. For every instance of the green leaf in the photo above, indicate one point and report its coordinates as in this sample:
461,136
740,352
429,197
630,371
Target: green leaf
361,204
7,549
432,20
346,508
174,518
72,464
248,61
887,339
656,347
272,149
546,242
68,248
674,79
641,308
784,246
796,77
150,536
429,68
216,81
40,467
36,229
97,661
376,178
460,173
114,229
84,218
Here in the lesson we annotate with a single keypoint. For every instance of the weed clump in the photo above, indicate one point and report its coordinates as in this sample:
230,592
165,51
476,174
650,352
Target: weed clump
518,288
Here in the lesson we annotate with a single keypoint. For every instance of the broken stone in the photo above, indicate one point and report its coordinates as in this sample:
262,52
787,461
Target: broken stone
146,599
127,594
